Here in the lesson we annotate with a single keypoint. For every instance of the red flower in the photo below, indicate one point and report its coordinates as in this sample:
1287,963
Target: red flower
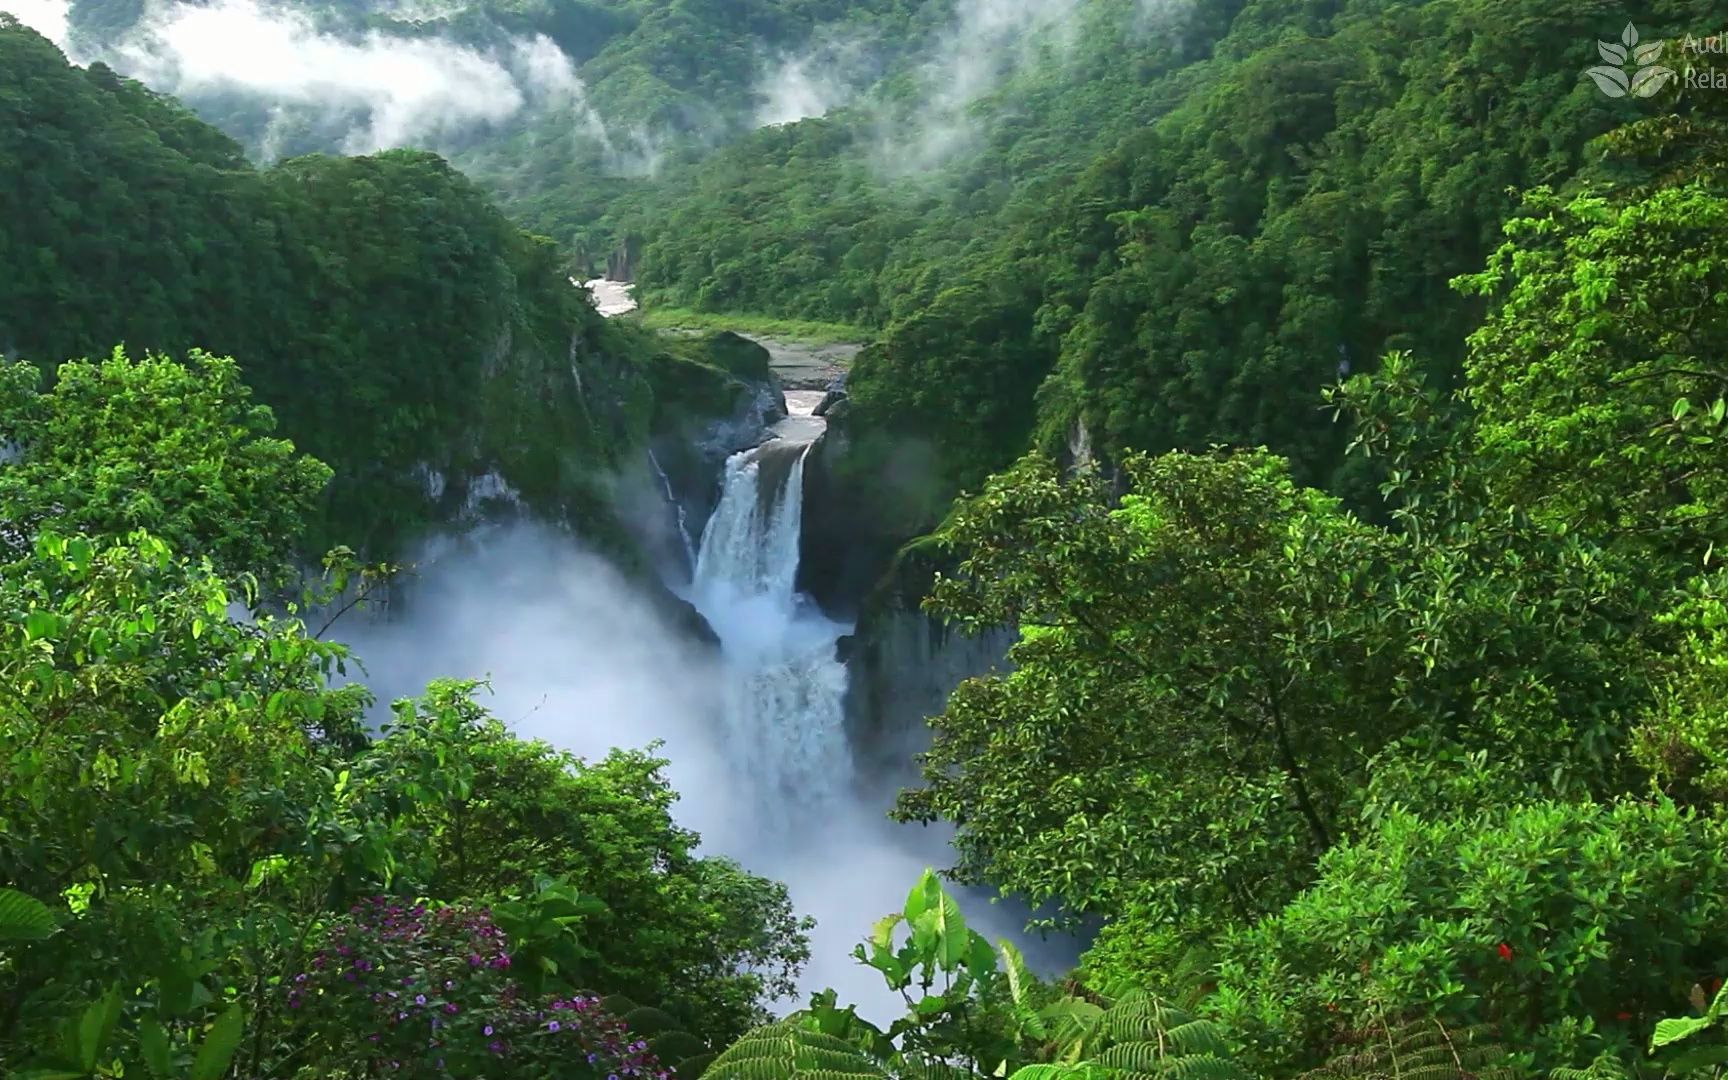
1622,1016
1504,950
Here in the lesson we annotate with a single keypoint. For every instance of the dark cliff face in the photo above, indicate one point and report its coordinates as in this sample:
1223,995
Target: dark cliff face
714,396
903,664
841,554
866,493
854,561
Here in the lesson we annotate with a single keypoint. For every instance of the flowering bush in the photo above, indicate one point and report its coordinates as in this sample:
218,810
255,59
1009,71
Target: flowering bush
403,989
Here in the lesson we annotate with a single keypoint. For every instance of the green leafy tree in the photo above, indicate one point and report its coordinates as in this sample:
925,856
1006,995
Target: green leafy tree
493,815
176,449
1561,924
1597,378
1200,668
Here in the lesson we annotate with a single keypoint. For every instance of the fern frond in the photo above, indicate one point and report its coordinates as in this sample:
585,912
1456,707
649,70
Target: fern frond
785,1051
1607,1066
1071,1025
1146,1059
1198,1037
1202,1067
926,1069
1424,1049
1084,1070
1141,1017
1134,1057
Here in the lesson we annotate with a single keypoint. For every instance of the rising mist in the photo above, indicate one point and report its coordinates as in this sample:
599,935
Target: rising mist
576,654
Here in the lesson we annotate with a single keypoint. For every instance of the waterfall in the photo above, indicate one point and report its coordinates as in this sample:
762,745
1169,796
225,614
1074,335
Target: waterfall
782,714
677,508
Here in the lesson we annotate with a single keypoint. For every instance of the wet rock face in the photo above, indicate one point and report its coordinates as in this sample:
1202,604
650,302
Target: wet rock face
621,263
843,551
830,401
694,454
804,366
902,666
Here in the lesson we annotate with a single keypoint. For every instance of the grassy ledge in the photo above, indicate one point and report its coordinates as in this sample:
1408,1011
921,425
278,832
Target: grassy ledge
790,330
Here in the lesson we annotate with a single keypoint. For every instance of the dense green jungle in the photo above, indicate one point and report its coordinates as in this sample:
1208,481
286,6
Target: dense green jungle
1322,396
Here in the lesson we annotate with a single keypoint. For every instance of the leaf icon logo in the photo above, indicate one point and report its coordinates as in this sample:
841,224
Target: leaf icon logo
1645,76
1611,81
1649,80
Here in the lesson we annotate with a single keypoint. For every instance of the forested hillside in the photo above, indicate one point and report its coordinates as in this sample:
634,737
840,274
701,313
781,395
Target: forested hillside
396,323
1174,232
1384,740
1161,225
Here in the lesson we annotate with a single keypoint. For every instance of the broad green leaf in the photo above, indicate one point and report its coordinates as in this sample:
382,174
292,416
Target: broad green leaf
1696,1058
40,624
153,1042
923,895
48,1072
96,1028
264,869
1674,1029
219,1045
24,918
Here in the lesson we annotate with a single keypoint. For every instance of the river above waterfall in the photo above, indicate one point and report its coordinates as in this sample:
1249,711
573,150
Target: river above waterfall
610,297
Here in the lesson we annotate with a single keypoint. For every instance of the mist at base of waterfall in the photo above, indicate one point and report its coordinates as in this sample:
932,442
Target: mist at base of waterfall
576,655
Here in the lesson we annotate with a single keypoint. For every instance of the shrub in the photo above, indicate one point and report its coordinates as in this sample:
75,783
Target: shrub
1560,924
407,989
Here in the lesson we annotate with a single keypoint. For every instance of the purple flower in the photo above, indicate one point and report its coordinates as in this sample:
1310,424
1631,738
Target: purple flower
419,999
451,1008
487,1030
553,1026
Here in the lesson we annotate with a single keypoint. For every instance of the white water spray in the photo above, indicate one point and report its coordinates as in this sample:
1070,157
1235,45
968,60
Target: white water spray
783,711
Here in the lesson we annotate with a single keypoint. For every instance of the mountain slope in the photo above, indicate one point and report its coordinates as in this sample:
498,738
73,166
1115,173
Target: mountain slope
401,328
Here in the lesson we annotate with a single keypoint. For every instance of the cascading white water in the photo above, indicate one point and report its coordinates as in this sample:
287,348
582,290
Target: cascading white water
677,509
783,718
